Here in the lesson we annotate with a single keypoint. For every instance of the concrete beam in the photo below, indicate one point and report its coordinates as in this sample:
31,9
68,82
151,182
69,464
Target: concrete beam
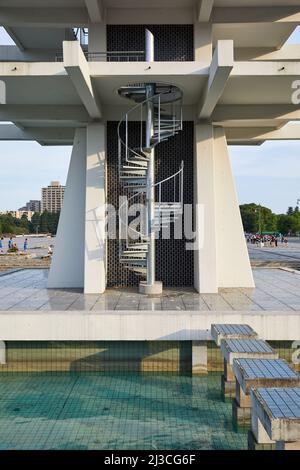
95,10
289,132
226,114
204,9
56,134
282,14
78,70
220,69
289,53
27,113
44,17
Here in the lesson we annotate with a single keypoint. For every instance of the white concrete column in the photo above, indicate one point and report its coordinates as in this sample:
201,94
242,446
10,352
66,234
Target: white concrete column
95,243
2,353
221,258
233,264
199,357
203,48
205,256
97,38
68,258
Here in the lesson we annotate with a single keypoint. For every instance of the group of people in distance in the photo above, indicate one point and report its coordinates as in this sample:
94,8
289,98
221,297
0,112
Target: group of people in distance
11,246
266,240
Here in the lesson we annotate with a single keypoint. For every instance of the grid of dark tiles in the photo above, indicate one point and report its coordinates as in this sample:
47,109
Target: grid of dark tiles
174,264
172,42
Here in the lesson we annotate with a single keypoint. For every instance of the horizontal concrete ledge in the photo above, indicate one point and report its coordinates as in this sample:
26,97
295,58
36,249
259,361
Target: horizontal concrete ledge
140,325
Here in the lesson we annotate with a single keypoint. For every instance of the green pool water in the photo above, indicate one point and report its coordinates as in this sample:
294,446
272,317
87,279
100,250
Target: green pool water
115,411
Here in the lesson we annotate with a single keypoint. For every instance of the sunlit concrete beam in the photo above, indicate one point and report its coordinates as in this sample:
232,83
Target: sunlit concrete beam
281,14
95,10
204,9
78,70
220,69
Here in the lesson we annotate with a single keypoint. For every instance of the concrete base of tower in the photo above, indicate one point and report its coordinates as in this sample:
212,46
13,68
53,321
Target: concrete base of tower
151,289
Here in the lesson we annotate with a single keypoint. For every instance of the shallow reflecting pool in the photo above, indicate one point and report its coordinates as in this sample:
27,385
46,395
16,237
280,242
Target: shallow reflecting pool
115,411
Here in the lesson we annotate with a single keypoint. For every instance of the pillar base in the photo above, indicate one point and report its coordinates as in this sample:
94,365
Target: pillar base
240,416
227,388
151,289
254,445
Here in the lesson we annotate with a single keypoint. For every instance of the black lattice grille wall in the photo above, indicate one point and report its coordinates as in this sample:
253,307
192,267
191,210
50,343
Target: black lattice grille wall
172,42
174,264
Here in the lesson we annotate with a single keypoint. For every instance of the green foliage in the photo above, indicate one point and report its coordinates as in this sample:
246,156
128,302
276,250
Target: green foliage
256,218
41,223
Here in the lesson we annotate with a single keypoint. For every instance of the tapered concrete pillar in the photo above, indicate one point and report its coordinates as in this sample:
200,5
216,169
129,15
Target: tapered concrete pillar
233,264
221,256
205,255
95,243
67,267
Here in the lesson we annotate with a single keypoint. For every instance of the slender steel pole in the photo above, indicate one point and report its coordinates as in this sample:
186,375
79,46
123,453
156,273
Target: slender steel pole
150,194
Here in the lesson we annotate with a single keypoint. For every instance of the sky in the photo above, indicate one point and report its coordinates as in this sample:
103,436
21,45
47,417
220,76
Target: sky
267,174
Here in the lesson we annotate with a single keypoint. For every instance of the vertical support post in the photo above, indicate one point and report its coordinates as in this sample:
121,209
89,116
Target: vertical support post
2,352
205,261
221,256
151,286
199,357
150,189
95,210
149,42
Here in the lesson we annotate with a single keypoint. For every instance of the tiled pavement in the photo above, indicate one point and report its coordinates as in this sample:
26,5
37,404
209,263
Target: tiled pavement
276,290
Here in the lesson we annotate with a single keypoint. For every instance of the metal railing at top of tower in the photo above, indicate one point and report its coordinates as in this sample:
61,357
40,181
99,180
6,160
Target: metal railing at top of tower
109,56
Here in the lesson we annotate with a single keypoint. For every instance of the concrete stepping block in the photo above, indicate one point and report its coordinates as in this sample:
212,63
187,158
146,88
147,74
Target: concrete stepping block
246,348
254,373
276,416
221,332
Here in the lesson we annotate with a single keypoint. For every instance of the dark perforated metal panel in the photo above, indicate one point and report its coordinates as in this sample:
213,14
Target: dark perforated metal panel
174,264
172,42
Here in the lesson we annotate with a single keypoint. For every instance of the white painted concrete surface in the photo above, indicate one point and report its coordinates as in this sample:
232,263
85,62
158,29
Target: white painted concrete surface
140,326
2,352
95,244
68,258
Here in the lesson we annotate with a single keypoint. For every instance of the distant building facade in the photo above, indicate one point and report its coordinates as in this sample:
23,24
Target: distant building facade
18,214
52,197
34,205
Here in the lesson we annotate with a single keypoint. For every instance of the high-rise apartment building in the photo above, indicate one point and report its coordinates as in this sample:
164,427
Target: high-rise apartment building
34,205
52,197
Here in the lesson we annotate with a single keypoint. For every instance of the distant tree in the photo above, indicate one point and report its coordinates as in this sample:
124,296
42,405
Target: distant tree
290,211
255,217
285,223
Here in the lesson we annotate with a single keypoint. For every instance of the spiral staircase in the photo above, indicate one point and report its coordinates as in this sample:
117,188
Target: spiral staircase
158,109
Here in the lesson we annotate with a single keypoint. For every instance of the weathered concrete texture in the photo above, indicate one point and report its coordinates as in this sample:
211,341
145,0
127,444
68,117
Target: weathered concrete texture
276,414
253,444
240,416
227,388
199,358
25,262
231,331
